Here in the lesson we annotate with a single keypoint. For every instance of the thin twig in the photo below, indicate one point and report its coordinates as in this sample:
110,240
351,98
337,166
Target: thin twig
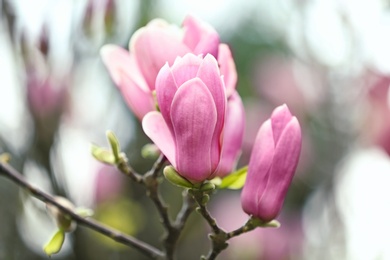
185,211
152,183
198,197
173,234
127,170
218,236
239,231
158,165
141,246
152,186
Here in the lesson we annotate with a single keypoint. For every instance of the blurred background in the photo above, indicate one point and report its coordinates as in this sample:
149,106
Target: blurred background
328,60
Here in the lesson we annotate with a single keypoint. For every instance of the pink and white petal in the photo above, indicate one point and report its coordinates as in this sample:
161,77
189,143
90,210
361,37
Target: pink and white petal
118,62
233,135
157,130
186,68
153,47
139,101
166,88
280,117
259,168
228,68
126,76
194,118
209,74
192,32
200,37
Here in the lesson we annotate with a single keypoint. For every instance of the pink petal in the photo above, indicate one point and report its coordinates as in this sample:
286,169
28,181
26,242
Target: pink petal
209,74
233,135
200,37
119,61
259,169
124,72
166,88
285,162
186,68
157,130
228,68
280,117
194,118
153,46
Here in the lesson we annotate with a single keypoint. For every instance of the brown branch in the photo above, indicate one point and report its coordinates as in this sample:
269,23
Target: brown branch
12,174
218,236
152,183
185,211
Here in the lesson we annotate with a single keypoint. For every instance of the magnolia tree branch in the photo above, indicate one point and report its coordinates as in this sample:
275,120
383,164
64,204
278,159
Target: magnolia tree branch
186,210
173,234
219,237
9,172
152,183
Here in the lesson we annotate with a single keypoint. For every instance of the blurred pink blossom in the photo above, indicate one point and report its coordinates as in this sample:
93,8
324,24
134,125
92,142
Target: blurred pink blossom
154,45
376,122
108,183
46,95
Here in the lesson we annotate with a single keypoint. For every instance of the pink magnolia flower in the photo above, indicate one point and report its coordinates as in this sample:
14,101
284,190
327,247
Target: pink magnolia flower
272,165
154,45
189,129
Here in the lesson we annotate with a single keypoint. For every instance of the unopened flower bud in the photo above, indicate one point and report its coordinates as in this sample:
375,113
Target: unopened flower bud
272,165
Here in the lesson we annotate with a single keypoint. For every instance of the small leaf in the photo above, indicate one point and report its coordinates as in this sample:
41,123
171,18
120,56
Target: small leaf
256,222
207,186
150,151
84,212
55,243
236,180
272,224
114,143
171,175
102,154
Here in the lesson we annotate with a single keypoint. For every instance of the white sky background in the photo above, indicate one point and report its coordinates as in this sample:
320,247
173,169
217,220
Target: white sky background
319,31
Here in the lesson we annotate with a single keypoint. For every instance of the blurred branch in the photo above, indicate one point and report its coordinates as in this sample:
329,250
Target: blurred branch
12,174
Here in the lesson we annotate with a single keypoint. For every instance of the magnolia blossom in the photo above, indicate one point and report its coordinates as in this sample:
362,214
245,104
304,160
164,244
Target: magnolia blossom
233,135
272,165
154,45
192,100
